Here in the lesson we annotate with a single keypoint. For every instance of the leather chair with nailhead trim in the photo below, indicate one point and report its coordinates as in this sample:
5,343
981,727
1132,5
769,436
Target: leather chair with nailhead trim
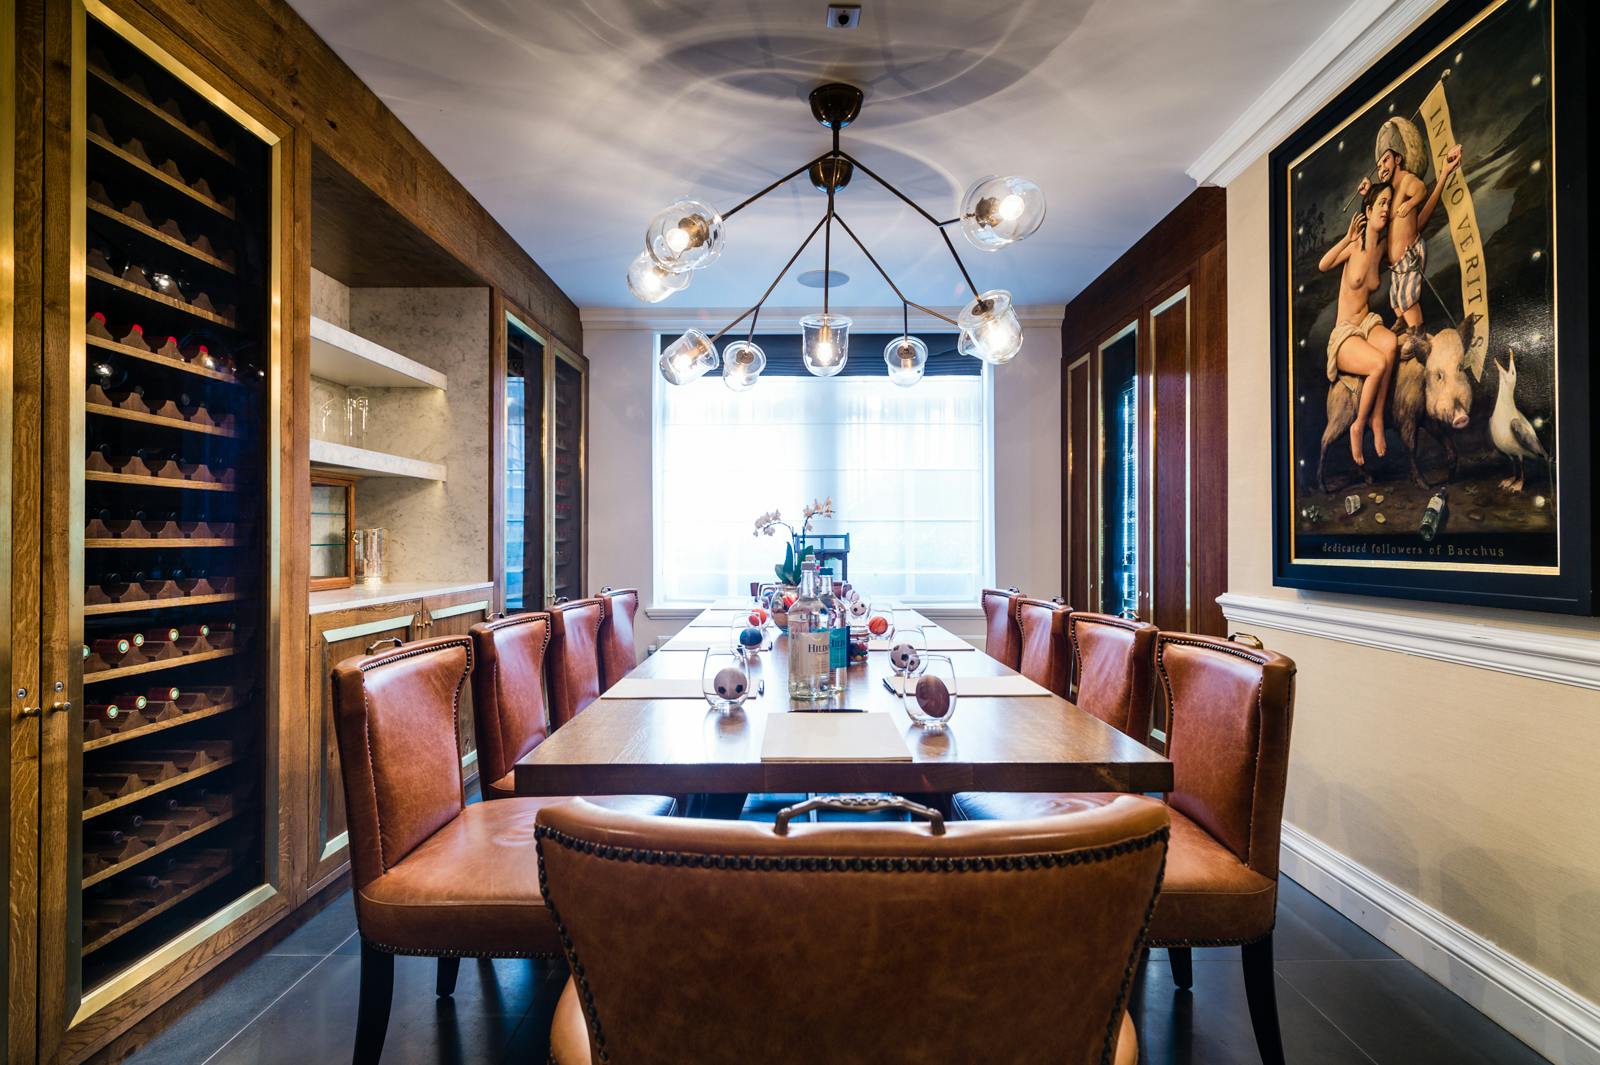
1002,642
619,651
911,943
508,706
1042,652
431,875
1229,711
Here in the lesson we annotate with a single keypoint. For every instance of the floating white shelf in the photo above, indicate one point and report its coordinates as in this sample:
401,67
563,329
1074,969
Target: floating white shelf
341,356
342,458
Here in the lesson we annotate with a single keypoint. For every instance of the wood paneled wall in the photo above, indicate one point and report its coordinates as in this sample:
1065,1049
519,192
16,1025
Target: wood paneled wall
1172,287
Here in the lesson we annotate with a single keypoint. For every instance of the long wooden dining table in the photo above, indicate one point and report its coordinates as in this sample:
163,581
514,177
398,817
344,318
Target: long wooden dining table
681,746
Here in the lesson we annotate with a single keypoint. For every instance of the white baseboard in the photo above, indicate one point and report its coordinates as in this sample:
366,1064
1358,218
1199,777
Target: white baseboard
1547,1015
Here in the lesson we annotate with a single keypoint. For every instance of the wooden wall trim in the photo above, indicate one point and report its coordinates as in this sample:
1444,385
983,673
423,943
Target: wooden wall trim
1171,247
280,59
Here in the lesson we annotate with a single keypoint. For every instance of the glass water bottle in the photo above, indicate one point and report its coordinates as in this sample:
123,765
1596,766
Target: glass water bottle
810,672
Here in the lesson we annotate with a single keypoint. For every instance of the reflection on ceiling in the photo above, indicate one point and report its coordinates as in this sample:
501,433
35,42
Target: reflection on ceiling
574,122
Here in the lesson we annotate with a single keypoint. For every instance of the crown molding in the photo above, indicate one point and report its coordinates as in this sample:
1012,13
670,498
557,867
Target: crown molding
1554,657
1359,36
876,319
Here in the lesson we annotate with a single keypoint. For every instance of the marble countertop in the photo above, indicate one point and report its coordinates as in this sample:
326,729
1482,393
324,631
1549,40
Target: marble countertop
332,599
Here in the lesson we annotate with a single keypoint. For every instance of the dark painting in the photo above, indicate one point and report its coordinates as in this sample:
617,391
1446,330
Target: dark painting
1421,370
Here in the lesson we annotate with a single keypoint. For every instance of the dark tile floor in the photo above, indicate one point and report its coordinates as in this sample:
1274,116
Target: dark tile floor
1342,997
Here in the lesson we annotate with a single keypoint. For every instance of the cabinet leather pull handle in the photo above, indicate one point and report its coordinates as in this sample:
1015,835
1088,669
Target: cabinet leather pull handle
375,644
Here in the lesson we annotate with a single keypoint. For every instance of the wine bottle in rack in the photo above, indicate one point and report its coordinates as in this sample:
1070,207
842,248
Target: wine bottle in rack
112,649
107,713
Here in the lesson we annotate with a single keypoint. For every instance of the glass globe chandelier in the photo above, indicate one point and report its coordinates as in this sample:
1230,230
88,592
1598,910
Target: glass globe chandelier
687,236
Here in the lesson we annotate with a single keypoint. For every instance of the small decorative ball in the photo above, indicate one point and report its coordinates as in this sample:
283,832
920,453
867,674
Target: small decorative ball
878,625
788,601
933,697
858,650
758,617
904,657
858,608
730,683
750,637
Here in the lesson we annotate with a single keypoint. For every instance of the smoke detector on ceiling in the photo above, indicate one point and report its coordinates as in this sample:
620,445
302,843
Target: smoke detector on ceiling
844,16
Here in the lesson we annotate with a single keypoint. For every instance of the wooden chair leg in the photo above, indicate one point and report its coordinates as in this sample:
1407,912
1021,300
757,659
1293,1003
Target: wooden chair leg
1261,993
377,993
1182,967
445,985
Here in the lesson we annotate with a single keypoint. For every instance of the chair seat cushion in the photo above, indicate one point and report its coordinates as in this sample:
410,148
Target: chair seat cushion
1023,805
471,888
569,1033
1207,894
644,805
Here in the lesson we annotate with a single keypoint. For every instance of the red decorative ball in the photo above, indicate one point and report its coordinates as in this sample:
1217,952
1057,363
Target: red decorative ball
878,625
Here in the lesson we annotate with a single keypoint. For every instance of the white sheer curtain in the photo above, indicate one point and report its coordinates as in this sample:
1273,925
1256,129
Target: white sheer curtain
908,470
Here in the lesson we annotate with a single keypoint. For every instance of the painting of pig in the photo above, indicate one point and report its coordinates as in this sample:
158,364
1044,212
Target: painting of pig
1414,224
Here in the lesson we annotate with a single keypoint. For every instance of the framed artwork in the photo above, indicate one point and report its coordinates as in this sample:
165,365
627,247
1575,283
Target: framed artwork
1433,389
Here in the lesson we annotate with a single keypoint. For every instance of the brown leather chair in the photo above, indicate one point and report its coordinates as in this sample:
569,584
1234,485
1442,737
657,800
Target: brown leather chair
1230,708
1043,655
619,653
573,664
917,944
1002,641
1113,668
431,875
508,706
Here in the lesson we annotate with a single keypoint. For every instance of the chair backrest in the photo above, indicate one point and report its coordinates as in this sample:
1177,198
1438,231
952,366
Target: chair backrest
508,704
1113,669
573,664
396,718
1002,642
619,653
953,929
1043,656
1229,711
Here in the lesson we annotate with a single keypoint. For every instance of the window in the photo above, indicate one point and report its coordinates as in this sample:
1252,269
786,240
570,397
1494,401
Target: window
909,470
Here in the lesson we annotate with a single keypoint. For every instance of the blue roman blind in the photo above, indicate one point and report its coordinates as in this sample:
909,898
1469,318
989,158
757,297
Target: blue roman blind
866,355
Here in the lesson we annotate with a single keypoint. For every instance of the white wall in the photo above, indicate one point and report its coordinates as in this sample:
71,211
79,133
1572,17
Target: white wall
620,346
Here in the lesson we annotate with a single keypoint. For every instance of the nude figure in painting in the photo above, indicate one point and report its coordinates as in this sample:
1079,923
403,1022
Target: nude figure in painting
1360,343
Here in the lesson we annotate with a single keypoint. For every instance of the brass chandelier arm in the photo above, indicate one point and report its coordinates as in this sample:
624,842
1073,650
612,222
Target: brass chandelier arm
885,274
801,169
934,222
756,309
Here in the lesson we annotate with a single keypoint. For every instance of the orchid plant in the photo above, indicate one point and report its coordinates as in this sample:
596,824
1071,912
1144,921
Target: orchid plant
788,571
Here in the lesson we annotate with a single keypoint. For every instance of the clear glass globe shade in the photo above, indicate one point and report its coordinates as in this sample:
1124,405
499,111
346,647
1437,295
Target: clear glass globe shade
686,235
826,343
997,211
906,357
651,284
690,356
742,363
989,328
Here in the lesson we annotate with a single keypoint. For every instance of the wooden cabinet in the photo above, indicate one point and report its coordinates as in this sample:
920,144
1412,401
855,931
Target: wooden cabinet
148,751
543,470
337,634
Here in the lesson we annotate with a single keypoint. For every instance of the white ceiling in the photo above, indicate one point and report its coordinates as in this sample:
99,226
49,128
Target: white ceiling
573,121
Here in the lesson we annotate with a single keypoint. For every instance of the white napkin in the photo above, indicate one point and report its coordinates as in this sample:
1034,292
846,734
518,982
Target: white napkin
698,640
655,688
1007,685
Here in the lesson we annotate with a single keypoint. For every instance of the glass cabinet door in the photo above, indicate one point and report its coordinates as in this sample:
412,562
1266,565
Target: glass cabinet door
158,816
525,469
570,409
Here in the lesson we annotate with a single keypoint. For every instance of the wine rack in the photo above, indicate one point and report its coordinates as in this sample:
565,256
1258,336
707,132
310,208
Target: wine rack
177,454
566,503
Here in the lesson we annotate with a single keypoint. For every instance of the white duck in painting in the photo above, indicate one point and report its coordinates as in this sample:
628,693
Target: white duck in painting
1509,430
